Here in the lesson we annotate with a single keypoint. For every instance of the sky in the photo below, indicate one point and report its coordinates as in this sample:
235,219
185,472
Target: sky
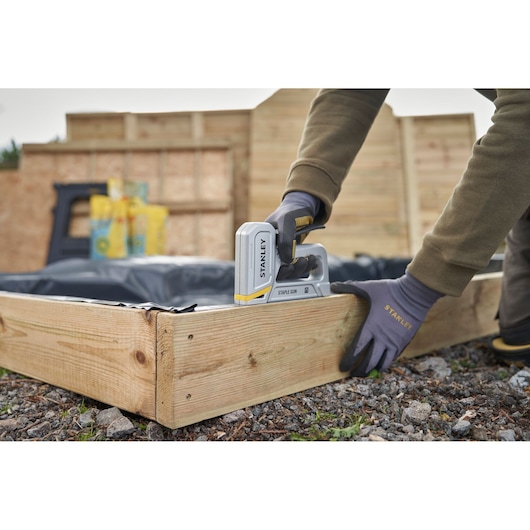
38,115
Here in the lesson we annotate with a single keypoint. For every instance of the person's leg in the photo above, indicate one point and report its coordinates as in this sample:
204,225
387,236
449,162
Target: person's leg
514,306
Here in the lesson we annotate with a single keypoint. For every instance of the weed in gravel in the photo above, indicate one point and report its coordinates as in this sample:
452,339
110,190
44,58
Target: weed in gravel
89,434
325,416
316,434
352,426
355,424
502,374
82,408
462,365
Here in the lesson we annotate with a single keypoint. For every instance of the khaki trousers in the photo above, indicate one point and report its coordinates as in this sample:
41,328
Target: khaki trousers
514,306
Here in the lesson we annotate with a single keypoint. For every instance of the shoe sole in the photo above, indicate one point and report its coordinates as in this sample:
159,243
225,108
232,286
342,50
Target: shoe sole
510,353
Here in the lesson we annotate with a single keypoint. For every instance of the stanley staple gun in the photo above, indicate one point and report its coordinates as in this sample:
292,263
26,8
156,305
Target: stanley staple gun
257,264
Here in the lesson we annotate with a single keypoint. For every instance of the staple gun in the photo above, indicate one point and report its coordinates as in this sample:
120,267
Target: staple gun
257,264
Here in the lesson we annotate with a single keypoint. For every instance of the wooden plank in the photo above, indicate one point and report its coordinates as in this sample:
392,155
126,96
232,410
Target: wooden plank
197,206
147,144
73,167
95,125
213,362
193,181
144,167
185,235
107,164
164,125
10,184
412,201
103,352
179,369
456,320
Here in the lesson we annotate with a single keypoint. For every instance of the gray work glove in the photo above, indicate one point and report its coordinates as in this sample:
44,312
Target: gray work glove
396,310
296,212
293,220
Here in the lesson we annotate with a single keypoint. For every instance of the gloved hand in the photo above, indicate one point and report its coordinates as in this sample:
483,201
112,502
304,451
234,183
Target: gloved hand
297,210
299,268
397,308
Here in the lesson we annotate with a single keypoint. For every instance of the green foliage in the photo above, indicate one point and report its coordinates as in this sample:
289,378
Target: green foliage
325,416
462,365
88,435
331,433
346,432
82,408
503,374
10,156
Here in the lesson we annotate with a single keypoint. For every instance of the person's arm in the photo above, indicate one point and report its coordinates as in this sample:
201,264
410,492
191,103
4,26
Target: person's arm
491,196
336,127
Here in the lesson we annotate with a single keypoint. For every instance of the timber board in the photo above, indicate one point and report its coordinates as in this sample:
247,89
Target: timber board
179,369
107,353
456,320
248,355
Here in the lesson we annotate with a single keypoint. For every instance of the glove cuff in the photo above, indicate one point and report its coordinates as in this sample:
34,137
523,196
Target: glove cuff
417,292
301,199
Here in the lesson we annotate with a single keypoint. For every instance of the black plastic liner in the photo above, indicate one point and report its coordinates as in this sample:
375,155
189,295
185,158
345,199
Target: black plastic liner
173,282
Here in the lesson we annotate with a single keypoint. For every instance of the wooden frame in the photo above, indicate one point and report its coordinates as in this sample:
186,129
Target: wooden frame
178,369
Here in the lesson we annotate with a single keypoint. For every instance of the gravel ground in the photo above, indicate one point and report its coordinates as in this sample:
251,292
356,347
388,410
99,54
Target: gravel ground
457,393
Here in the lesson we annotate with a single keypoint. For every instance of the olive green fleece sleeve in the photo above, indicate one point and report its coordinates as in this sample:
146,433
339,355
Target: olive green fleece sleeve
491,196
336,127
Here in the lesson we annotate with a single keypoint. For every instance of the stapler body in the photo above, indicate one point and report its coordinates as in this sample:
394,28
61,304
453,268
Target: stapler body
257,263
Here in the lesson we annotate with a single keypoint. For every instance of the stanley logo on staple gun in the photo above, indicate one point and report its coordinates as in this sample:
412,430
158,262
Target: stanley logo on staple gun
257,264
262,267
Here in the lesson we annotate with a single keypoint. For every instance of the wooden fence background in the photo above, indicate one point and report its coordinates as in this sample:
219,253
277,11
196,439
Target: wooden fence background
216,170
